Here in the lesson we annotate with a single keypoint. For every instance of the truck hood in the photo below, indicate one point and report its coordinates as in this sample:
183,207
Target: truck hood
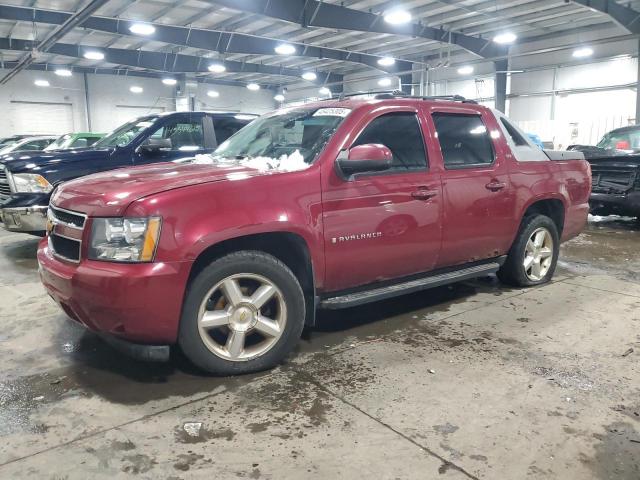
41,162
109,193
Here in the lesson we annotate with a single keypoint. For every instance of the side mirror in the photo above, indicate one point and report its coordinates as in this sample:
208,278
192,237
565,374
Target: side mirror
370,157
155,144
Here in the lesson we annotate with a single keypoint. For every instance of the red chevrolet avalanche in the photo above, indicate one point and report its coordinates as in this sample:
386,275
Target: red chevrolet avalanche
322,206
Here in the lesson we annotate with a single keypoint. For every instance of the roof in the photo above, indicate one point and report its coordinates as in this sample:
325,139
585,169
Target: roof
630,128
332,38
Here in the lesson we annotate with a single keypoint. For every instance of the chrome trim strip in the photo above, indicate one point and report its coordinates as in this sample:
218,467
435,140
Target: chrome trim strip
55,220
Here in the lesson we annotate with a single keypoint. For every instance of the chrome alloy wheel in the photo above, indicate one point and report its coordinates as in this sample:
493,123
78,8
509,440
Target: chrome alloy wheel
538,254
242,317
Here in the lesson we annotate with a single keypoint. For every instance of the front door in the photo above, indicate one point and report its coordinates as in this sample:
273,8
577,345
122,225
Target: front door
478,204
176,139
386,225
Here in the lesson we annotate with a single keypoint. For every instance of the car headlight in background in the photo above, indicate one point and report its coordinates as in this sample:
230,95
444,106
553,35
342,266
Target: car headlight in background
124,239
30,183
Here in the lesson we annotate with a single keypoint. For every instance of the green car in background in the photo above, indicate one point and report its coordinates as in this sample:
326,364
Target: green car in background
74,140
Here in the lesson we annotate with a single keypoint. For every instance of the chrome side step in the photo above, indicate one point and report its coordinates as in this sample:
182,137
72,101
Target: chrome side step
381,293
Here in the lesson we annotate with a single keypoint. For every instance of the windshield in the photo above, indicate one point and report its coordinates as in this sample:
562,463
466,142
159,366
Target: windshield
290,140
629,140
123,135
59,143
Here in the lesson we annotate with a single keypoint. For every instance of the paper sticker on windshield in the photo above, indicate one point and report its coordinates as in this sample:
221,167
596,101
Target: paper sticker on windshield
332,112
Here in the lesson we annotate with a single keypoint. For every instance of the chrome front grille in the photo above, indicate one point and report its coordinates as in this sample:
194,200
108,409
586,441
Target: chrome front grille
72,219
5,186
65,229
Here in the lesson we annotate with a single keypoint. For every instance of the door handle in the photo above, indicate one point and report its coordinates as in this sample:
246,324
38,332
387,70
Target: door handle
495,185
424,194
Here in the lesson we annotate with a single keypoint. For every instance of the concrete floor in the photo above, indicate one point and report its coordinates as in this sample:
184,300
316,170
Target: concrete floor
469,381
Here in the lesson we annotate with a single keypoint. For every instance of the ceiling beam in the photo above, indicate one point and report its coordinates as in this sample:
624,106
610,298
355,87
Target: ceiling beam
164,62
120,72
626,17
315,13
204,39
60,31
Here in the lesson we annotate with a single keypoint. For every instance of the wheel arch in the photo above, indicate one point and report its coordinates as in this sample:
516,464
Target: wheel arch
290,248
552,207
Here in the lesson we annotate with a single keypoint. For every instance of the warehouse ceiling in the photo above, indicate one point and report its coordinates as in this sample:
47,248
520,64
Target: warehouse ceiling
331,38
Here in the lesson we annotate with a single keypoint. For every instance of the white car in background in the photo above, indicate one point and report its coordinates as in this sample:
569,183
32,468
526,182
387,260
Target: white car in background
28,143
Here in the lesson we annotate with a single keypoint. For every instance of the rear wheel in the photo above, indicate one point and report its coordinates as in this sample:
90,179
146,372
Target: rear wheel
533,257
243,313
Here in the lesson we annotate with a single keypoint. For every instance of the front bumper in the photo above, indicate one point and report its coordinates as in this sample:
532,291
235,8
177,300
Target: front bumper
622,204
25,219
139,303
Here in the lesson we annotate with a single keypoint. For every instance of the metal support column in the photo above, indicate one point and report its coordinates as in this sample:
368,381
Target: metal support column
406,82
501,67
638,88
87,107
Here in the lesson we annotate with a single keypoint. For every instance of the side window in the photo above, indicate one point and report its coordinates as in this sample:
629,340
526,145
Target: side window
464,140
400,133
35,145
225,127
180,136
517,139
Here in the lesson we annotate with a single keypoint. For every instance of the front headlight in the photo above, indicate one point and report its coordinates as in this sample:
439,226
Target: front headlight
124,239
30,183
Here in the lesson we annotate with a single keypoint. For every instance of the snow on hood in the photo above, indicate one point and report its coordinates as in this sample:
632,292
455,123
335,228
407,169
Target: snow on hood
284,163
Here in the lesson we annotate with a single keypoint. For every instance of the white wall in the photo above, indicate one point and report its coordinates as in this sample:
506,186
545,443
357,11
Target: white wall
111,101
588,100
234,99
62,91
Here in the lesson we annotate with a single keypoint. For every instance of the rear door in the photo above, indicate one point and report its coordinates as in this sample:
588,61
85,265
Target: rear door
478,211
384,225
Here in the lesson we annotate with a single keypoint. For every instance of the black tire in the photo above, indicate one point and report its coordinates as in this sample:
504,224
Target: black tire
252,262
513,271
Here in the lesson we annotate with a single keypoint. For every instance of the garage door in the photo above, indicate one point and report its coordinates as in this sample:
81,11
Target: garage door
41,118
125,113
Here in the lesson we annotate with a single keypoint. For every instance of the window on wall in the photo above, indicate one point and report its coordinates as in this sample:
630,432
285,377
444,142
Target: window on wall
464,140
400,133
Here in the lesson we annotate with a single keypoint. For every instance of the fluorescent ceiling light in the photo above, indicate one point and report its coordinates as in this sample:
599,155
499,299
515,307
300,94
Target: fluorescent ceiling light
169,81
279,98
253,86
583,52
217,68
241,116
142,29
63,72
41,83
93,55
213,94
311,76
386,61
136,89
397,17
384,82
504,38
285,49
324,91
466,70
